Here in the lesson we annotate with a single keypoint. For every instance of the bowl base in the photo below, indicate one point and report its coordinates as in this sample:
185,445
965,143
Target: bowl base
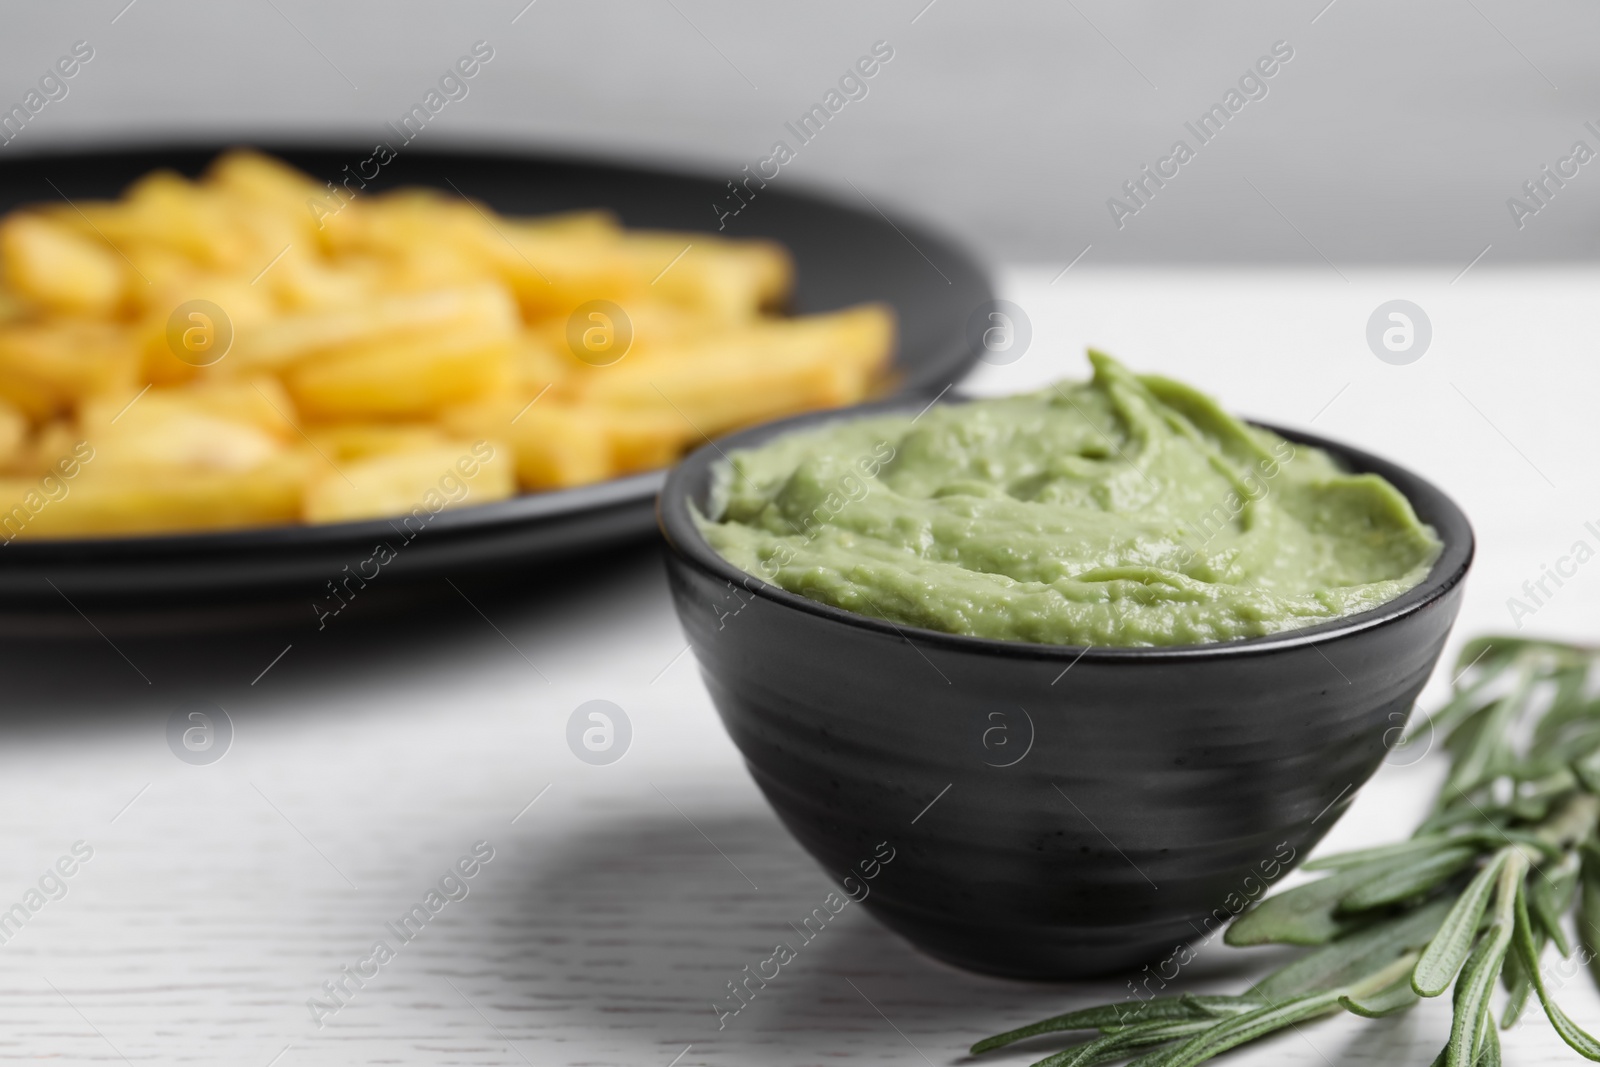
1030,953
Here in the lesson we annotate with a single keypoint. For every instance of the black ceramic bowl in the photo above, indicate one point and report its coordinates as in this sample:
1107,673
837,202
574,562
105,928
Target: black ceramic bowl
1052,812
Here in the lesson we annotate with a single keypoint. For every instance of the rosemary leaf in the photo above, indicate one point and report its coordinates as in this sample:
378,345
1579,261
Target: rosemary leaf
1230,1033
1588,923
1397,997
1347,962
1523,942
1519,986
1307,914
1549,896
1119,1045
1576,744
1552,849
1568,705
1466,812
1488,753
1493,649
1222,1007
1482,968
1450,947
1516,995
1157,1058
1469,699
1587,768
1104,1017
1488,1045
1414,847
1409,881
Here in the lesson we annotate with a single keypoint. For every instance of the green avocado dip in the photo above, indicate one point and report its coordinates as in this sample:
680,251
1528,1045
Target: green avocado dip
1128,510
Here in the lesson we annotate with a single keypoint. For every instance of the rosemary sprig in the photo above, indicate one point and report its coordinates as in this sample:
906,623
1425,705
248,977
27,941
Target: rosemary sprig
1470,901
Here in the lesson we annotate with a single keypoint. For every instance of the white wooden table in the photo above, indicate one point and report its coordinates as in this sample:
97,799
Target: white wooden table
371,756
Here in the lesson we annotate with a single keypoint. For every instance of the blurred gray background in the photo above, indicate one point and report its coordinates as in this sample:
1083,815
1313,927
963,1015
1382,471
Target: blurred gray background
1395,134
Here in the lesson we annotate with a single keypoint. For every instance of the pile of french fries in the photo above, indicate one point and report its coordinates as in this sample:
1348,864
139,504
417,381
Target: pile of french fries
248,349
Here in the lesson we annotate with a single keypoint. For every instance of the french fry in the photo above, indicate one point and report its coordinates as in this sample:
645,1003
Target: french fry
178,442
406,377
280,344
162,209
301,280
46,366
553,271
725,280
158,268
262,179
560,444
537,364
452,474
487,416
347,441
556,447
12,306
13,438
428,239
403,220
62,270
645,439
654,322
759,373
400,223
167,208
244,306
53,441
261,404
149,500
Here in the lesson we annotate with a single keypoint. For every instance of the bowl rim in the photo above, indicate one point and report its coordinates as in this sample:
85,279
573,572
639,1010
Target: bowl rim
685,542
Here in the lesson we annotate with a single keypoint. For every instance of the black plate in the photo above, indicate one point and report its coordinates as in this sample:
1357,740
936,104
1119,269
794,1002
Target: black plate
844,255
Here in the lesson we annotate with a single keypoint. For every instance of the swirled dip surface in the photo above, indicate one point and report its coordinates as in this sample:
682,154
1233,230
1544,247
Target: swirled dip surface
1126,510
